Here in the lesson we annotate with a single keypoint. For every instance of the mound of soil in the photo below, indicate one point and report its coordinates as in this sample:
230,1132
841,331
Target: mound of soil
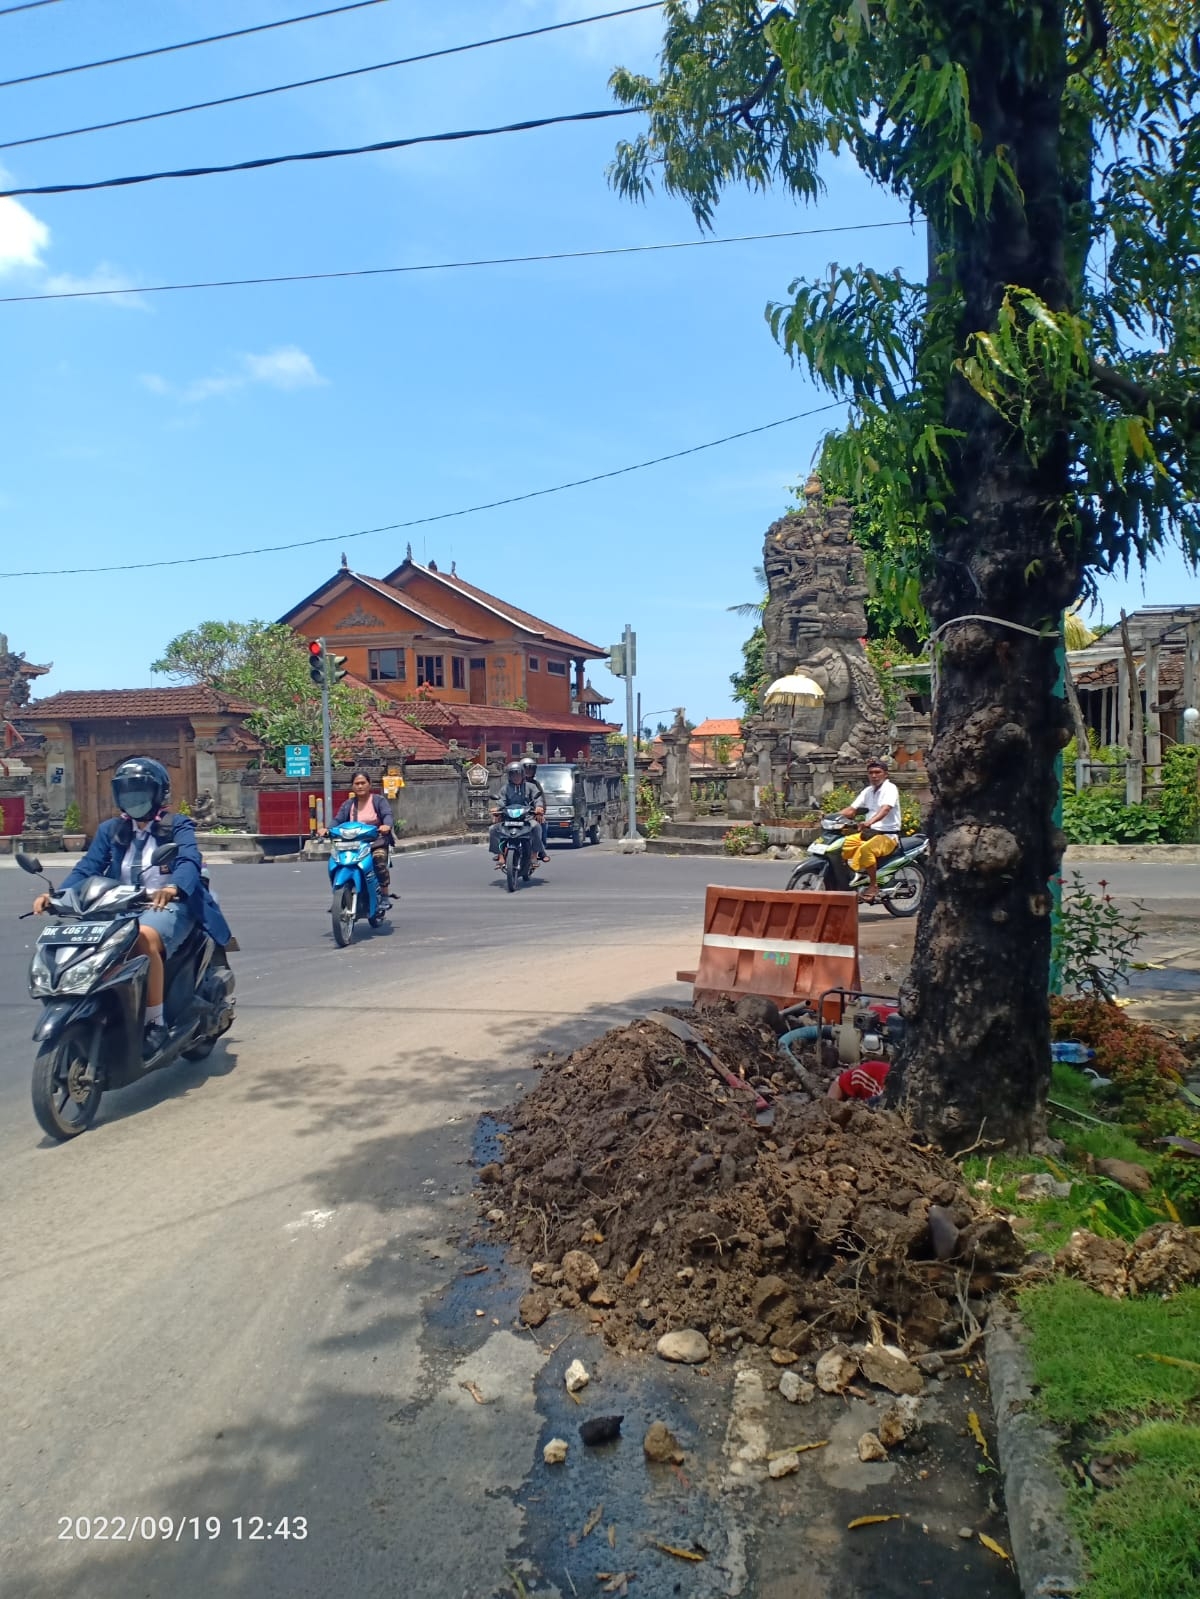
635,1152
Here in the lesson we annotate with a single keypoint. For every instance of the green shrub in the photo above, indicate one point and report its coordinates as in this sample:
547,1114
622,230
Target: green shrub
1179,807
72,820
1101,816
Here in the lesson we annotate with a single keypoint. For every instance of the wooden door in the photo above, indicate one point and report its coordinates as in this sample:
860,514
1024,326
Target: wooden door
479,681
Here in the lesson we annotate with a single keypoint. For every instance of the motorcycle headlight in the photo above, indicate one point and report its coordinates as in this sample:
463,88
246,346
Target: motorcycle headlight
74,979
41,979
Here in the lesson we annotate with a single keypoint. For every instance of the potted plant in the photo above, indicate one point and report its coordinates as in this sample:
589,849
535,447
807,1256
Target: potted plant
73,835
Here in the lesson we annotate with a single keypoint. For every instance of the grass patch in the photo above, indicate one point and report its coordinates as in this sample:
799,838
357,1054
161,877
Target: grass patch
1143,1536
1086,1353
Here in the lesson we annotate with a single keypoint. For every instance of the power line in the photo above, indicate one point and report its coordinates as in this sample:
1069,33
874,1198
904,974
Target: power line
186,44
29,5
441,516
325,155
329,77
445,266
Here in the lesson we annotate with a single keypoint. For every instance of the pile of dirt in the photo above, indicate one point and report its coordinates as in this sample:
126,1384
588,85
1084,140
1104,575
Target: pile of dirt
633,1151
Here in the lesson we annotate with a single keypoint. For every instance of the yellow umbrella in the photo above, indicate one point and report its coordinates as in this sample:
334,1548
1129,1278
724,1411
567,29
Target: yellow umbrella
795,690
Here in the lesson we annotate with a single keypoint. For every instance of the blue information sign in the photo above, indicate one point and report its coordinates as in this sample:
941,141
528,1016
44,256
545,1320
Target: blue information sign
298,759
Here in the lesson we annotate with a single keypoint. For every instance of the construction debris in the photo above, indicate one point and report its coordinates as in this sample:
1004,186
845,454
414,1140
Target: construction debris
784,1235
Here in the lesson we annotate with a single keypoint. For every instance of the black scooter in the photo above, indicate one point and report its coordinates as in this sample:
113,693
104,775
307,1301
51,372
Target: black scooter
93,994
516,844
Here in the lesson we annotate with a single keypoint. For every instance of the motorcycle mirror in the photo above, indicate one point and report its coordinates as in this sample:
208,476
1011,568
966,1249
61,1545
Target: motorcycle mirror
29,863
163,854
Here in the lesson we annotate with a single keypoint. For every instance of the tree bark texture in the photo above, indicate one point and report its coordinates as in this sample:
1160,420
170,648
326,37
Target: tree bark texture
977,1056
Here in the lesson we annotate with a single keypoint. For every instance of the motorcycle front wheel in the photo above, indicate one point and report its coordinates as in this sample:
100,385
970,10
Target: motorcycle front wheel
342,915
64,1104
903,894
808,878
510,869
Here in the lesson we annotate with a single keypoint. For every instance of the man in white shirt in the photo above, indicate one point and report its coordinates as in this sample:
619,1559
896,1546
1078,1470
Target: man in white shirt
881,801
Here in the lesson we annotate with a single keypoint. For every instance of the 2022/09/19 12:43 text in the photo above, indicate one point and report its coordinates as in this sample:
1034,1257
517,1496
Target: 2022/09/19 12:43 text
179,1529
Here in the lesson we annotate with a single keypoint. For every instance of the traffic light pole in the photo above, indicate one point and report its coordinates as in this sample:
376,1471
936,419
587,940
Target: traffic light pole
630,733
326,759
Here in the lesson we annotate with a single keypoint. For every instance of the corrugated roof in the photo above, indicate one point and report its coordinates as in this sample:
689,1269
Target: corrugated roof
187,699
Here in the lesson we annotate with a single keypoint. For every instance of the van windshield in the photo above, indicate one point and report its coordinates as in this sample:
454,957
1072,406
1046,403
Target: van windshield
557,780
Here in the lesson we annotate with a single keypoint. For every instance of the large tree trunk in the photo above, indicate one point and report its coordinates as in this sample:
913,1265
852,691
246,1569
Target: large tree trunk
977,1057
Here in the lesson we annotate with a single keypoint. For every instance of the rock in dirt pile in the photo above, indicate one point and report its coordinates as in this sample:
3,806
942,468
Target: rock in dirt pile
644,1192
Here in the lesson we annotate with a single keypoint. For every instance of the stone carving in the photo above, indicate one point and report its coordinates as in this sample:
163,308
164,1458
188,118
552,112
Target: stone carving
814,623
204,812
37,815
360,618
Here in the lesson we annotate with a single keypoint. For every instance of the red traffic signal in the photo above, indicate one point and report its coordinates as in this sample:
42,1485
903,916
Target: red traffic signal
316,662
314,646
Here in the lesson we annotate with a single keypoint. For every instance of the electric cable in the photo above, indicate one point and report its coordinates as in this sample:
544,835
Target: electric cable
186,44
328,77
424,521
324,155
444,266
29,5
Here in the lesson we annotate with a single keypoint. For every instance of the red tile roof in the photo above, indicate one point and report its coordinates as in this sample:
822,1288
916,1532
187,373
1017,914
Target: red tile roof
525,620
80,705
389,733
441,713
718,727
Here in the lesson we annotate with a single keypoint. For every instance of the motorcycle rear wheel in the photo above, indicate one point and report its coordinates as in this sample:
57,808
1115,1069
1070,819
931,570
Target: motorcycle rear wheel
904,891
63,1111
342,915
510,870
808,878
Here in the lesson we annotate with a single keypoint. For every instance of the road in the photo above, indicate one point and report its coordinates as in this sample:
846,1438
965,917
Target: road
218,1301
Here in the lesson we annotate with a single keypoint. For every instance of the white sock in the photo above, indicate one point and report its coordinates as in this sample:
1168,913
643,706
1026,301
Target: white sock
154,1013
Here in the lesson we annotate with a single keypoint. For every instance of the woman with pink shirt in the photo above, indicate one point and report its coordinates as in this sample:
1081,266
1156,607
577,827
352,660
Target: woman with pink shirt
363,806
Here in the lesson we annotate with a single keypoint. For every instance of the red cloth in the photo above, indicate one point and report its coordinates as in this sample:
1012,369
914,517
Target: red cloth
865,1080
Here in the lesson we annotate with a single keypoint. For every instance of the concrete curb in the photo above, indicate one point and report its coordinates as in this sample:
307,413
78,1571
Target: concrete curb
1139,854
1047,1555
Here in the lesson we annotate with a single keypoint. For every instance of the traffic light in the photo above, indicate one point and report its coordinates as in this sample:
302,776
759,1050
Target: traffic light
336,665
316,662
616,659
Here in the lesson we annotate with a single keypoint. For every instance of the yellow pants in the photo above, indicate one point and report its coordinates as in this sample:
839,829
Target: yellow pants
860,851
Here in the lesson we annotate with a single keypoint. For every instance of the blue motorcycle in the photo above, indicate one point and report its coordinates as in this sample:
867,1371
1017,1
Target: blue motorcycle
352,873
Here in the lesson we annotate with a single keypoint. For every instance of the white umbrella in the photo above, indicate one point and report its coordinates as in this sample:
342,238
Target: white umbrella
795,690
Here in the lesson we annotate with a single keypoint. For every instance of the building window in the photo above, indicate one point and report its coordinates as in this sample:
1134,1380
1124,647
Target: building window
429,672
458,671
516,749
540,751
533,663
557,668
386,666
479,663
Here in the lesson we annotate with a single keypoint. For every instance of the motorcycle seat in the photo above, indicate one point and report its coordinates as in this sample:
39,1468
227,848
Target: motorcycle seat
914,841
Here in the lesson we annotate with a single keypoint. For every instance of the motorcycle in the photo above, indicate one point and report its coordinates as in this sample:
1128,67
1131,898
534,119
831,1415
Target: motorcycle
93,996
356,890
900,875
516,844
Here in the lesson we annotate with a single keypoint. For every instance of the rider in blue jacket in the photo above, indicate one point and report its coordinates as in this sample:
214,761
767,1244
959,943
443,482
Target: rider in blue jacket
122,849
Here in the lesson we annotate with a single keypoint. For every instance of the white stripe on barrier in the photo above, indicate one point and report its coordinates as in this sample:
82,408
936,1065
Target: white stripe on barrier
778,946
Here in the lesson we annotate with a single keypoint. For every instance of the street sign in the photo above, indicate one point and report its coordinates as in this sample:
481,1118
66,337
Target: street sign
298,760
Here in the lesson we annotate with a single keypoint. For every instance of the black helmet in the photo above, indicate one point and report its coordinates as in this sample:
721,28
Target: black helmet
529,765
141,787
515,772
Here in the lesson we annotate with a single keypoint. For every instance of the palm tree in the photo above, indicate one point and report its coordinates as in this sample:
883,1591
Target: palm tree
754,608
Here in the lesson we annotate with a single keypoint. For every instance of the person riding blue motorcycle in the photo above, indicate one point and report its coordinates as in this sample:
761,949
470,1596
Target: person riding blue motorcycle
518,790
121,850
363,806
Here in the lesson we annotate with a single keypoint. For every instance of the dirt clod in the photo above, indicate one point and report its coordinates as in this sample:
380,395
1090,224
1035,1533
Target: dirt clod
661,1445
534,1308
786,1237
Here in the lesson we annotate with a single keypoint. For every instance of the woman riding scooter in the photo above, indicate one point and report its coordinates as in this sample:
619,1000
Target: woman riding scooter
363,806
122,849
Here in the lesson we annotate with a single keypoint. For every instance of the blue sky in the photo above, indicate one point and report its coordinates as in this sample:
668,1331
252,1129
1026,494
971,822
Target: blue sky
181,424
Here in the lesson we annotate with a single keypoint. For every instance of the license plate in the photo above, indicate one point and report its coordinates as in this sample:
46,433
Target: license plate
76,933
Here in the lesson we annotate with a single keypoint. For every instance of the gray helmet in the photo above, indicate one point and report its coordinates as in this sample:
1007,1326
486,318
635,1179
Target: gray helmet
529,766
515,772
141,787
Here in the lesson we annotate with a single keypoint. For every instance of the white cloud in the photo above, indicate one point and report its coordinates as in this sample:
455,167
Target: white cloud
286,368
23,236
106,278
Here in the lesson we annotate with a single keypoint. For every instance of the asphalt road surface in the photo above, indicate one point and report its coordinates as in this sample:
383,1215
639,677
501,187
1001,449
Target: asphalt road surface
219,1372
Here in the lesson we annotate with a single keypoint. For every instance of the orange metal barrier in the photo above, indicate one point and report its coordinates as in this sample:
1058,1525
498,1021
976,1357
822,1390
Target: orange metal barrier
784,947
